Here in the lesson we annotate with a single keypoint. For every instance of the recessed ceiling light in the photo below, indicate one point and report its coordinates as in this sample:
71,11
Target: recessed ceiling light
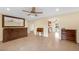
8,9
57,9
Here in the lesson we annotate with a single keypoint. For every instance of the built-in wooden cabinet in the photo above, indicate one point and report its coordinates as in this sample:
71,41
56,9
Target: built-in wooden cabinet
13,33
68,34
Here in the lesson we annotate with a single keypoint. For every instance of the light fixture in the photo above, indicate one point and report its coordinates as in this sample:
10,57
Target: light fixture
8,9
57,9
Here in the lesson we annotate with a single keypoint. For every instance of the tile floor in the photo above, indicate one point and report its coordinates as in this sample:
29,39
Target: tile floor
37,43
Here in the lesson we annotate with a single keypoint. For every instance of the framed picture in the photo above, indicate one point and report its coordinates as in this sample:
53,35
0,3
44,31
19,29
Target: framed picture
11,21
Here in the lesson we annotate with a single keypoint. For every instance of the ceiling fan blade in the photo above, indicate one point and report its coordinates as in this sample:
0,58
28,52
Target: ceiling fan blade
38,12
33,11
25,11
29,14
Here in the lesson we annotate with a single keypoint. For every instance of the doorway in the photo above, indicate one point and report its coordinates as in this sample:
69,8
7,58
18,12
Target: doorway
54,27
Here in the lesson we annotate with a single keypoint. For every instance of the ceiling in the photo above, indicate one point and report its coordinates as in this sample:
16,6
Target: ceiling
47,11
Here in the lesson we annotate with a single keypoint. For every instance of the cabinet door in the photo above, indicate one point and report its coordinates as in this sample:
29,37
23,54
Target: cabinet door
22,32
71,35
14,33
7,35
63,35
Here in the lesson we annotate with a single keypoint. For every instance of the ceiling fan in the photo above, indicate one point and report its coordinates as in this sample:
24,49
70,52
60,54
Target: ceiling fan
33,11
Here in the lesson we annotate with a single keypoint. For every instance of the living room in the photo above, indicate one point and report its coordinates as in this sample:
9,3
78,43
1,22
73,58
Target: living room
39,28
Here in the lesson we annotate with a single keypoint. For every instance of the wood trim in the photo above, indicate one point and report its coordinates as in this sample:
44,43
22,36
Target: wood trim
12,17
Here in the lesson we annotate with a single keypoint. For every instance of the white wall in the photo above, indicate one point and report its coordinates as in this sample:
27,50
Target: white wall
26,23
1,29
30,26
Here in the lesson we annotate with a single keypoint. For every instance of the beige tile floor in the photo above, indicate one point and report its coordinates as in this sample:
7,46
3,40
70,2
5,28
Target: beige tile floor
37,43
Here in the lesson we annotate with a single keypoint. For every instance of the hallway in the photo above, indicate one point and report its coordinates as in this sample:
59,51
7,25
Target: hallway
37,43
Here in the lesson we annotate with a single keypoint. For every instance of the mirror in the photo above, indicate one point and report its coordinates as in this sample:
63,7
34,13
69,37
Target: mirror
11,21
